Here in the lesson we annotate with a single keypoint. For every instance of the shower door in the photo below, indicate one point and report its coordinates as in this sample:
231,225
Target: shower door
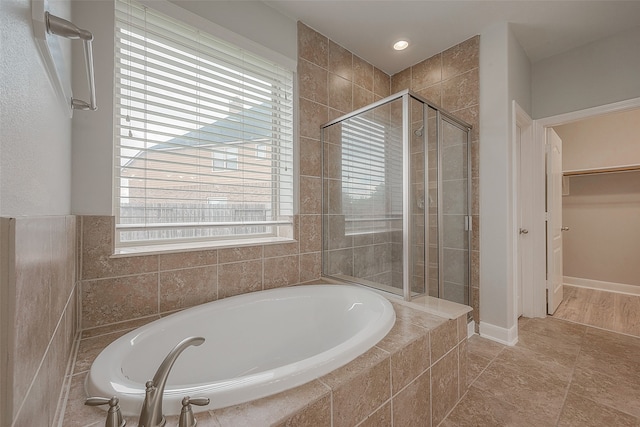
362,201
453,217
396,199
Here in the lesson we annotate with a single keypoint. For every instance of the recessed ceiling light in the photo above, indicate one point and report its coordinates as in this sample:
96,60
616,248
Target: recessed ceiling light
400,45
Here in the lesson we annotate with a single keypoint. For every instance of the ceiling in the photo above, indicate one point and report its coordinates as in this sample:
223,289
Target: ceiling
543,28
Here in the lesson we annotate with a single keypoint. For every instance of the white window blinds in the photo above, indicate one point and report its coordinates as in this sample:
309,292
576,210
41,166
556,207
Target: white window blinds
371,190
203,135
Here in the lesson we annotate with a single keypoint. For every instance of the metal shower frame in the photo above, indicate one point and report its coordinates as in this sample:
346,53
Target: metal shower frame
407,225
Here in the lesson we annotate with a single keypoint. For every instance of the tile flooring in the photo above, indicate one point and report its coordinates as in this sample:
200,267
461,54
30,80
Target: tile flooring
606,310
559,374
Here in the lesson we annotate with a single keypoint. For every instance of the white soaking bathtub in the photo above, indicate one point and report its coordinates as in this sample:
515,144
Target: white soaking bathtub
256,345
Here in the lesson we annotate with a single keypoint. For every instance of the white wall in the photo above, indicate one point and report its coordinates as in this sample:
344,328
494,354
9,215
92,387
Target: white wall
504,76
598,73
252,19
35,131
93,132
603,215
605,141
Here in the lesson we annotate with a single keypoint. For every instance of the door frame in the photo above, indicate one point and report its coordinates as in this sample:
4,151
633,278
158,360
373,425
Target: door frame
528,298
535,298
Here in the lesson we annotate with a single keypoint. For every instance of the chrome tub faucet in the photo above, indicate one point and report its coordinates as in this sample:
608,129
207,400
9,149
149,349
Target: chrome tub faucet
151,415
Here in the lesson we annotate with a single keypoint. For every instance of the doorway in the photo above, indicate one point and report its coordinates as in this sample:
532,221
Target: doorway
537,296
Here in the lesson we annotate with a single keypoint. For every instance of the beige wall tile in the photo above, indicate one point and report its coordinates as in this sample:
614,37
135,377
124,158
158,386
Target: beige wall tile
312,116
444,386
77,413
362,73
462,328
401,80
311,226
281,271
310,157
361,97
312,46
340,61
411,407
117,327
115,300
461,58
359,388
241,253
381,83
188,287
317,414
432,93
340,94
310,266
411,361
471,115
187,259
281,249
463,367
276,409
310,195
43,266
312,82
239,278
443,339
90,348
380,418
426,73
461,91
97,248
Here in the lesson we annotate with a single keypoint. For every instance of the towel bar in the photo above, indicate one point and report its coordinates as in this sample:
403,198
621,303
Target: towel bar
62,27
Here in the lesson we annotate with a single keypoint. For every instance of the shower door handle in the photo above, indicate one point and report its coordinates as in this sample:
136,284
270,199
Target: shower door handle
524,231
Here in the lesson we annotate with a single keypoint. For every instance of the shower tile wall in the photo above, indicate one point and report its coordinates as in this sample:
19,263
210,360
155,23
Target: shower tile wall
450,79
334,82
40,315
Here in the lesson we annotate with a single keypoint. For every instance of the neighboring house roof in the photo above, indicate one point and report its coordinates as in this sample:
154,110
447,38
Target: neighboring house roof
229,130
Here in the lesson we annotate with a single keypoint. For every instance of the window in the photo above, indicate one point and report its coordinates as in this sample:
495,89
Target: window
371,191
226,159
190,111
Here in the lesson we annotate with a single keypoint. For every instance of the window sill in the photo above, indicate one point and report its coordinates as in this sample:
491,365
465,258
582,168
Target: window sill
169,248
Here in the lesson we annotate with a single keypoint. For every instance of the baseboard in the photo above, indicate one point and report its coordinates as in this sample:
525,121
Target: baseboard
499,334
602,286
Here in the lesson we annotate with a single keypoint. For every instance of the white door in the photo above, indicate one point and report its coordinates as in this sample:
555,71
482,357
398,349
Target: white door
554,221
524,153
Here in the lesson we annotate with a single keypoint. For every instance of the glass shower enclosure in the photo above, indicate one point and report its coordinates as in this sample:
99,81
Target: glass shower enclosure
396,199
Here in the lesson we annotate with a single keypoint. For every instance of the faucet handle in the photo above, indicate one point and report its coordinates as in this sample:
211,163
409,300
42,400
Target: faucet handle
186,415
114,416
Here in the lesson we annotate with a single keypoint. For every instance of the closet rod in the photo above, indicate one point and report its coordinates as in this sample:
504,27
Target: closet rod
62,27
629,168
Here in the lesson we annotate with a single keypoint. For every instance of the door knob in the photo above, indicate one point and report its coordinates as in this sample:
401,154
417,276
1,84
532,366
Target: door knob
564,229
524,231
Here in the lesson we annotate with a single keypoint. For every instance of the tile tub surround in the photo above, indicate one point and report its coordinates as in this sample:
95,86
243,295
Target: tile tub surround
123,289
421,364
39,319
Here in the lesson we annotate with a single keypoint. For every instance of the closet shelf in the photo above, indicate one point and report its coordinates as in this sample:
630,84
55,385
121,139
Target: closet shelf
594,171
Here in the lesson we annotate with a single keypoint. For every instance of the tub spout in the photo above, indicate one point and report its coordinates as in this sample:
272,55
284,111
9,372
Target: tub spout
151,415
